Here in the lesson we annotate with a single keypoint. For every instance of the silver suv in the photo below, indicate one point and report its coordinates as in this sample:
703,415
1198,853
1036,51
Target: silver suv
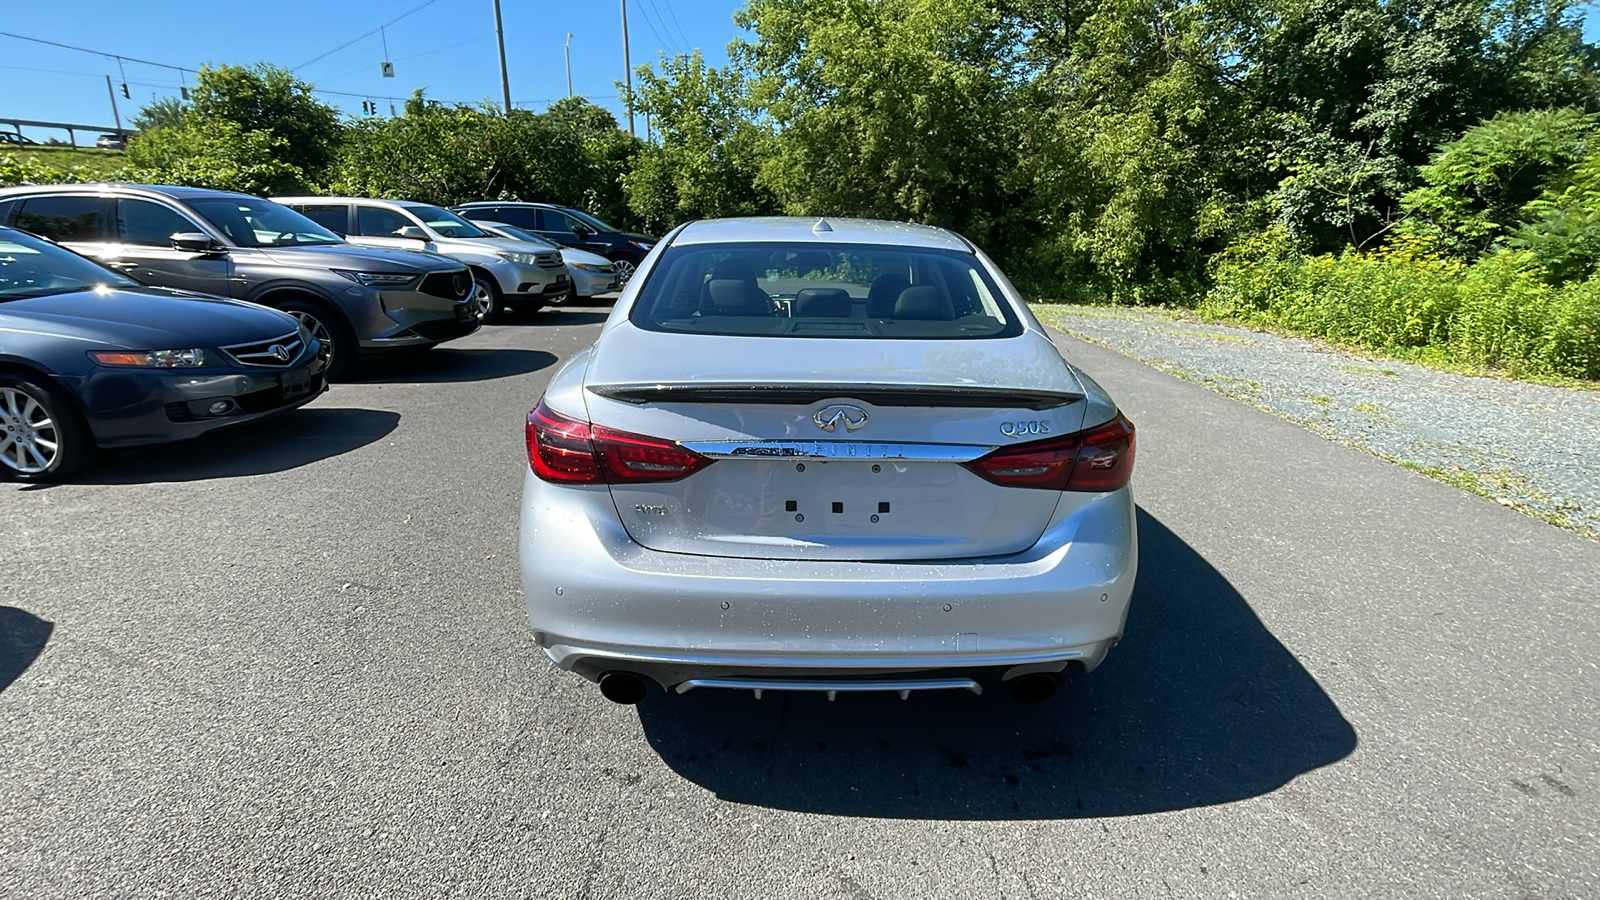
358,301
508,272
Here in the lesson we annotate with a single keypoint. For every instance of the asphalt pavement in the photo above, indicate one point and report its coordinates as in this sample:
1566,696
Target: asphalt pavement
291,661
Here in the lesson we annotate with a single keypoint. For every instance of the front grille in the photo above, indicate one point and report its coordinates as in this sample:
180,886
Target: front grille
549,260
273,398
450,285
465,322
273,354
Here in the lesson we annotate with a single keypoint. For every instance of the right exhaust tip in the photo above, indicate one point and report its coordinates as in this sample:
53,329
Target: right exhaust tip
625,688
1034,688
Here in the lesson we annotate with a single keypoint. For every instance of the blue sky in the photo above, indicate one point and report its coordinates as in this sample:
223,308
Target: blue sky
447,46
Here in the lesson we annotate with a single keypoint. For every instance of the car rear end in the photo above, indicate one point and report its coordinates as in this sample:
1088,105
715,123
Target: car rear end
815,498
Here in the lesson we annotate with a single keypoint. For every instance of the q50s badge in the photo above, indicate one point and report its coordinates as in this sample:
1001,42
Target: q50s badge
1025,429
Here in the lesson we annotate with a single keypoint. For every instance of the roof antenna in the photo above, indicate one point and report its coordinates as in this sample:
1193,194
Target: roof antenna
821,226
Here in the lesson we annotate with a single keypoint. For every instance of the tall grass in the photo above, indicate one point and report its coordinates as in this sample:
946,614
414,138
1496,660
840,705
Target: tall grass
1496,313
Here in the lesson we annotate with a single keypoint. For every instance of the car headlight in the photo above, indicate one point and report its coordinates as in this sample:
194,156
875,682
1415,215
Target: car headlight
376,279
592,267
527,259
156,359
643,245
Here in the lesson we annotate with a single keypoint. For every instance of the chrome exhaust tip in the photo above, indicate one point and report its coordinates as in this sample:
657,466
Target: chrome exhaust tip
625,688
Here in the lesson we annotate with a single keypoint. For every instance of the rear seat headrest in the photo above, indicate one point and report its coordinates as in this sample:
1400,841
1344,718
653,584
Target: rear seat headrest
923,301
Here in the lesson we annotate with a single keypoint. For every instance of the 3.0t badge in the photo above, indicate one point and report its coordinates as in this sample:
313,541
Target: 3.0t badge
829,417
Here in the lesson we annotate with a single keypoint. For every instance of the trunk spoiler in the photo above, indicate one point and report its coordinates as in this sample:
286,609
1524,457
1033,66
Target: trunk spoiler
806,394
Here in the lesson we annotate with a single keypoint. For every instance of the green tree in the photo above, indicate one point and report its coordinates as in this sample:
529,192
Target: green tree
220,155
708,152
269,99
1477,188
168,112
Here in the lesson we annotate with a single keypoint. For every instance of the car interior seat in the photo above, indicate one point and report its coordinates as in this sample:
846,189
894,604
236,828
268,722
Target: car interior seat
733,291
818,303
924,301
883,293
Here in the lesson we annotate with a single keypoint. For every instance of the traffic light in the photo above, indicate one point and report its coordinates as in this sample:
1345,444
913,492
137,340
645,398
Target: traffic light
125,91
185,93
366,108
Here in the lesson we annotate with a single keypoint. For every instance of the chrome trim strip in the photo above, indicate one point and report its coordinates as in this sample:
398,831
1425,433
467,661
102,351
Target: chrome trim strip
804,394
903,686
833,450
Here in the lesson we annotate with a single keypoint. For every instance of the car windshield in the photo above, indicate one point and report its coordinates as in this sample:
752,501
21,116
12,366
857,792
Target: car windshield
30,267
588,220
445,222
517,234
253,222
838,291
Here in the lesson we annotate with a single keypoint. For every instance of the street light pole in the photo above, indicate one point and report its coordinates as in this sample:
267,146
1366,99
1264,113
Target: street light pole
569,64
500,36
627,67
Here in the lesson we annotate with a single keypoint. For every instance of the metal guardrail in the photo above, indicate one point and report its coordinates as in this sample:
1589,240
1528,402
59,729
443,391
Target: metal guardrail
70,128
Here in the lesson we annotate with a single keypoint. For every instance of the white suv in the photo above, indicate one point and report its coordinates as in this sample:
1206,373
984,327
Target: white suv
508,273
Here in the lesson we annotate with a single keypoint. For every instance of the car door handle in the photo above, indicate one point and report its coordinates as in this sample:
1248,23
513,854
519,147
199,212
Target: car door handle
122,264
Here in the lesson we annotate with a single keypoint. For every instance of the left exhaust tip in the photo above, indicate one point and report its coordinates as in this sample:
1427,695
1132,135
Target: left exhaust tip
625,688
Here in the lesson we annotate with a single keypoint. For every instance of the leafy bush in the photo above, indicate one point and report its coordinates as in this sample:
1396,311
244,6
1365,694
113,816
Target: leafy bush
219,155
1498,312
27,171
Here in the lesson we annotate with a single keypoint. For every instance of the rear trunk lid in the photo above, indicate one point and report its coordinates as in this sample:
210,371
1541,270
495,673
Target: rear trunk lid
833,449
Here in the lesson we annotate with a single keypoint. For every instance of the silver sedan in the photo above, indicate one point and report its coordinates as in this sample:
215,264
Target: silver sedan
825,455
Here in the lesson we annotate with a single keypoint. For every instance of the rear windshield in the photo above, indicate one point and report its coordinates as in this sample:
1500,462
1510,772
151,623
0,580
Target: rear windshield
834,291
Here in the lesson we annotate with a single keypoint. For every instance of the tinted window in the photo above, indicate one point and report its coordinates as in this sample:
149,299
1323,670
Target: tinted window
840,291
150,224
253,222
63,218
593,223
334,217
6,206
375,221
520,216
558,221
30,267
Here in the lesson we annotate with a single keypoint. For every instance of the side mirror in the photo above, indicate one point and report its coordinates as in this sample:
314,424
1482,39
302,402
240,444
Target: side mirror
581,230
413,232
195,242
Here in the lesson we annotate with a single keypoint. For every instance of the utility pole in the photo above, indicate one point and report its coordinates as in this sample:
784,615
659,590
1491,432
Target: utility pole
627,67
500,36
569,65
113,92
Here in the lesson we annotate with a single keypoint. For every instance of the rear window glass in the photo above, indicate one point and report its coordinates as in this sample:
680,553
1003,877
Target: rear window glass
812,290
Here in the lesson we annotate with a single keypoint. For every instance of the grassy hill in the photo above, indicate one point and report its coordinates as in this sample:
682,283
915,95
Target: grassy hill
92,159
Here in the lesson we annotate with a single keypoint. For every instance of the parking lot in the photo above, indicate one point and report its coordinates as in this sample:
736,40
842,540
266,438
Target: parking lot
291,660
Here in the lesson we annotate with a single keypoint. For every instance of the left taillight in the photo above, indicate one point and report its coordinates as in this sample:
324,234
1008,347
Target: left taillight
1093,460
570,451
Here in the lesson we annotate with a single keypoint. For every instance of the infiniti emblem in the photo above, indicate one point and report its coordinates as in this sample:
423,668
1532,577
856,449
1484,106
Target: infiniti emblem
829,417
279,352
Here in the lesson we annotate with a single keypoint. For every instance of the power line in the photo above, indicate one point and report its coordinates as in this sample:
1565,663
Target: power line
418,8
116,56
686,42
368,67
667,45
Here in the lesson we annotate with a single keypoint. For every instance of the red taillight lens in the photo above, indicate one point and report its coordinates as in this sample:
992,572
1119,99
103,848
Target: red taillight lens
1093,460
559,448
570,451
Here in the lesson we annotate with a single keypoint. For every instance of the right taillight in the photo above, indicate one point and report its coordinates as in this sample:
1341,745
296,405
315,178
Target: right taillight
1093,460
570,451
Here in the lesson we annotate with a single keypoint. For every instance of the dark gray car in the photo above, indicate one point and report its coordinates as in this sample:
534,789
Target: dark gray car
357,301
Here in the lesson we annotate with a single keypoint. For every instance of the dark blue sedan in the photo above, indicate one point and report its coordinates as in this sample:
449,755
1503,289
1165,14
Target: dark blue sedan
90,358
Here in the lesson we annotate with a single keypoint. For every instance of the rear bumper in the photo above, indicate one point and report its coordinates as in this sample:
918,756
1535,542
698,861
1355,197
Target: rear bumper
599,602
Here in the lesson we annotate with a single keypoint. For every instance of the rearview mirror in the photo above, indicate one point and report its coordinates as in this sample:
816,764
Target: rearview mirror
414,232
195,242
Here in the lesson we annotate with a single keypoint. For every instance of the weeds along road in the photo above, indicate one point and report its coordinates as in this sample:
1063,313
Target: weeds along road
291,661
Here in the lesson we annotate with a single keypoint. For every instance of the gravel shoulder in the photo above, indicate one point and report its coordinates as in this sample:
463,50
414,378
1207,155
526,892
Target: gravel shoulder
1531,447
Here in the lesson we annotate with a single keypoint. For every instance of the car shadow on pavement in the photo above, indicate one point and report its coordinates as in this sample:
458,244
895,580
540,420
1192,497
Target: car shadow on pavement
22,639
1198,705
445,365
277,444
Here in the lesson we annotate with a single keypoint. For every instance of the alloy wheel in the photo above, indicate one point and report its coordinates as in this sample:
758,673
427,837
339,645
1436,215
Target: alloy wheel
319,330
624,269
482,300
29,438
